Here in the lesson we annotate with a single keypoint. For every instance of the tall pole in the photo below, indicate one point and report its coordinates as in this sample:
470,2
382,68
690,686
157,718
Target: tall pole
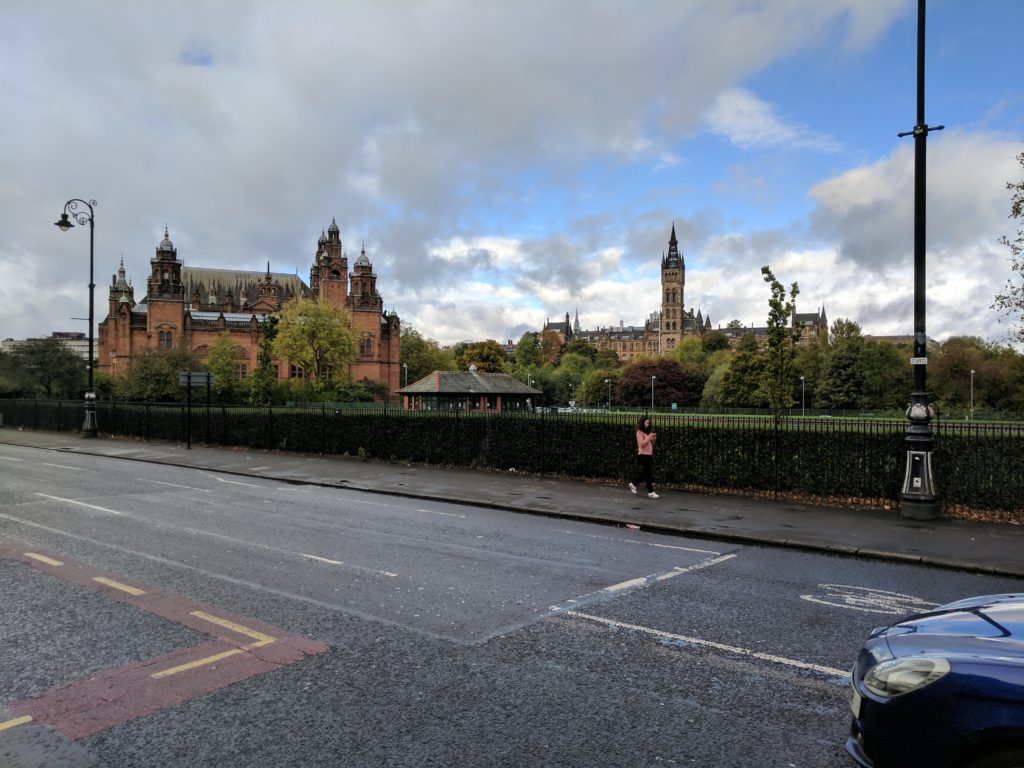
652,393
609,383
972,394
89,426
803,410
919,498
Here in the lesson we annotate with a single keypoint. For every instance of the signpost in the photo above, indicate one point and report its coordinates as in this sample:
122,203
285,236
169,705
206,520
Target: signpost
195,379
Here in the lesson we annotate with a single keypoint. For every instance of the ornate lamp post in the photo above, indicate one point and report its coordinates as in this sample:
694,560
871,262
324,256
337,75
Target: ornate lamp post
803,411
652,393
919,498
406,367
89,427
609,383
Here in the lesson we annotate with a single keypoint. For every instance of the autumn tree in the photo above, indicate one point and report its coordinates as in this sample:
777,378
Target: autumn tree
671,384
317,337
527,354
1011,300
488,356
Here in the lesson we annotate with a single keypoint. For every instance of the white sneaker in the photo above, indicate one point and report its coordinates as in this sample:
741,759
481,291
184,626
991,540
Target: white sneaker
632,488
653,495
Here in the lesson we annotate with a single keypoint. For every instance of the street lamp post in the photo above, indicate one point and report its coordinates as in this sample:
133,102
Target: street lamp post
571,386
609,383
972,394
89,426
406,367
803,410
652,393
919,498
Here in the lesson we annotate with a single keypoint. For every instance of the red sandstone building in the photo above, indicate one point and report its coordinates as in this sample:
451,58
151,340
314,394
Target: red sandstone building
194,306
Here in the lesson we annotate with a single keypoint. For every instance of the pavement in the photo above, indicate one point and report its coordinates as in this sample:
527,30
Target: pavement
984,547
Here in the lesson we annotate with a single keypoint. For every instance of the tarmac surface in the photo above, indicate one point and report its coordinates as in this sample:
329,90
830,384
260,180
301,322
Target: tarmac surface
985,547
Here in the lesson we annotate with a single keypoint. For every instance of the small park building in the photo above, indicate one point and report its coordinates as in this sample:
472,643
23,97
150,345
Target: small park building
468,391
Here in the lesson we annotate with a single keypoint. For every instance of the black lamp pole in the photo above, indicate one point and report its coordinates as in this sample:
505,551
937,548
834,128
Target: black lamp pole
919,498
89,427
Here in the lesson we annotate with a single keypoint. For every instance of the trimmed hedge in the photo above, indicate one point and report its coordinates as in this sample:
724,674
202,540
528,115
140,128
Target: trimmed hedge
978,466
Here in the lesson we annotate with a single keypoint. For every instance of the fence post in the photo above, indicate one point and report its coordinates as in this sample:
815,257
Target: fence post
323,428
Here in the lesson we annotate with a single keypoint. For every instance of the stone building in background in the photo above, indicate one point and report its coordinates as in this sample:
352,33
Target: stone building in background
194,305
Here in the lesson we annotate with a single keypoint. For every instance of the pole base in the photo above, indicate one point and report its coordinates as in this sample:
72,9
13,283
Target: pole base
920,509
89,426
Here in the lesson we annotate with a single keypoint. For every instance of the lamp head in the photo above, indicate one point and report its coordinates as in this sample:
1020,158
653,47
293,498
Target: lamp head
64,223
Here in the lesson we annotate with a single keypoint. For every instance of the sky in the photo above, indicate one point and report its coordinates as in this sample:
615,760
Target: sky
504,163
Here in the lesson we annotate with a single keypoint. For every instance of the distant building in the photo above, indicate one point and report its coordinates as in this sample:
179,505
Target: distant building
195,305
468,391
666,327
76,341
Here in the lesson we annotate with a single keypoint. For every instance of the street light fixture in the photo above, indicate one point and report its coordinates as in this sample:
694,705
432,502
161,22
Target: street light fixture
609,383
571,386
803,411
652,393
89,426
919,498
406,366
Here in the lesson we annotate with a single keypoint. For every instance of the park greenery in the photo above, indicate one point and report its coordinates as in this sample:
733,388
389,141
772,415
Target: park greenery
845,371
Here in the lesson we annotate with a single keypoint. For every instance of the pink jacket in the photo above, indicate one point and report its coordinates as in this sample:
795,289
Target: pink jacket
645,443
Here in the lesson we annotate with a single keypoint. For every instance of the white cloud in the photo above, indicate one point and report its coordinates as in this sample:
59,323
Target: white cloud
751,123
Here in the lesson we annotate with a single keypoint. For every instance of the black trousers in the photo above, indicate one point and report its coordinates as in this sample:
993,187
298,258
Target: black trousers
644,466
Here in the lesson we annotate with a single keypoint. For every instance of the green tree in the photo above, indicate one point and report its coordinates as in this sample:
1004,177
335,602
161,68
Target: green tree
781,348
712,341
263,379
153,375
488,356
580,347
318,337
423,356
887,376
689,350
741,383
45,368
527,353
221,359
1011,300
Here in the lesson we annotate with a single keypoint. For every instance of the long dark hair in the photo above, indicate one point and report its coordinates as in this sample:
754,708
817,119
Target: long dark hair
643,426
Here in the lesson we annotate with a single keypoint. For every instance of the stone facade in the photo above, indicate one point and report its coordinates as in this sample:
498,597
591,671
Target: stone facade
193,306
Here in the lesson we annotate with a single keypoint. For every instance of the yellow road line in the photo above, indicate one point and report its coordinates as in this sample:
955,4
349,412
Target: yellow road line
196,663
43,558
119,585
258,636
15,721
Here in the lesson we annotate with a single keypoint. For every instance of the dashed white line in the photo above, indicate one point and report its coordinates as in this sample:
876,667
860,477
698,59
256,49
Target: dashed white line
65,466
232,482
842,674
443,514
643,543
10,458
80,504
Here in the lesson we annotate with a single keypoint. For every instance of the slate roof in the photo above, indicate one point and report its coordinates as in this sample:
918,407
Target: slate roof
221,280
466,382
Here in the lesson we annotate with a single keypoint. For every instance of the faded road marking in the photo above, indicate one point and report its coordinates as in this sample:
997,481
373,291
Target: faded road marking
341,562
65,466
869,600
174,485
643,543
10,458
80,503
232,482
16,721
843,674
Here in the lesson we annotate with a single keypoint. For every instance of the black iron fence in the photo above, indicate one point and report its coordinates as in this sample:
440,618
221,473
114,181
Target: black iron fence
978,465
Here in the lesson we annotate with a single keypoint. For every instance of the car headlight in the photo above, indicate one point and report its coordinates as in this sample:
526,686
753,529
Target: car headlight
899,676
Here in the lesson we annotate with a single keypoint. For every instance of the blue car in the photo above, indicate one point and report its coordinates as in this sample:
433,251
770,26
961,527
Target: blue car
943,688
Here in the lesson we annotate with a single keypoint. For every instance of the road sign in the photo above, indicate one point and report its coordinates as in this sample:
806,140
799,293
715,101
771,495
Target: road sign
195,378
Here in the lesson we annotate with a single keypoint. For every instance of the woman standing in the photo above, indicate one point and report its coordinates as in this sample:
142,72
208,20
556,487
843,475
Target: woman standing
644,456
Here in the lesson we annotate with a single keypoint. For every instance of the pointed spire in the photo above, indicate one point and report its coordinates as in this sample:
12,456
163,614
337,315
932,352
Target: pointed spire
672,240
268,271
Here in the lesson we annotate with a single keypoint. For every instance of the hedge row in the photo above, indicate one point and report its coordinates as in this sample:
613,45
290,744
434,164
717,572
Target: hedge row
979,467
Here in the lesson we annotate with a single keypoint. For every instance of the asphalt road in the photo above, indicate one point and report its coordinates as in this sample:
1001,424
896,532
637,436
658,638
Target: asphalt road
280,624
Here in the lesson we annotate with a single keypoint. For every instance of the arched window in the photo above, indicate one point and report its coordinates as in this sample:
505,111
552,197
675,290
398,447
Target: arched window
366,346
165,340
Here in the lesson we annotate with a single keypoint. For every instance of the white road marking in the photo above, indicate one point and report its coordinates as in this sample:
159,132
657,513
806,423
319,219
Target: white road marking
638,582
80,503
65,466
231,482
173,485
869,600
443,514
10,458
643,543
843,674
347,565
